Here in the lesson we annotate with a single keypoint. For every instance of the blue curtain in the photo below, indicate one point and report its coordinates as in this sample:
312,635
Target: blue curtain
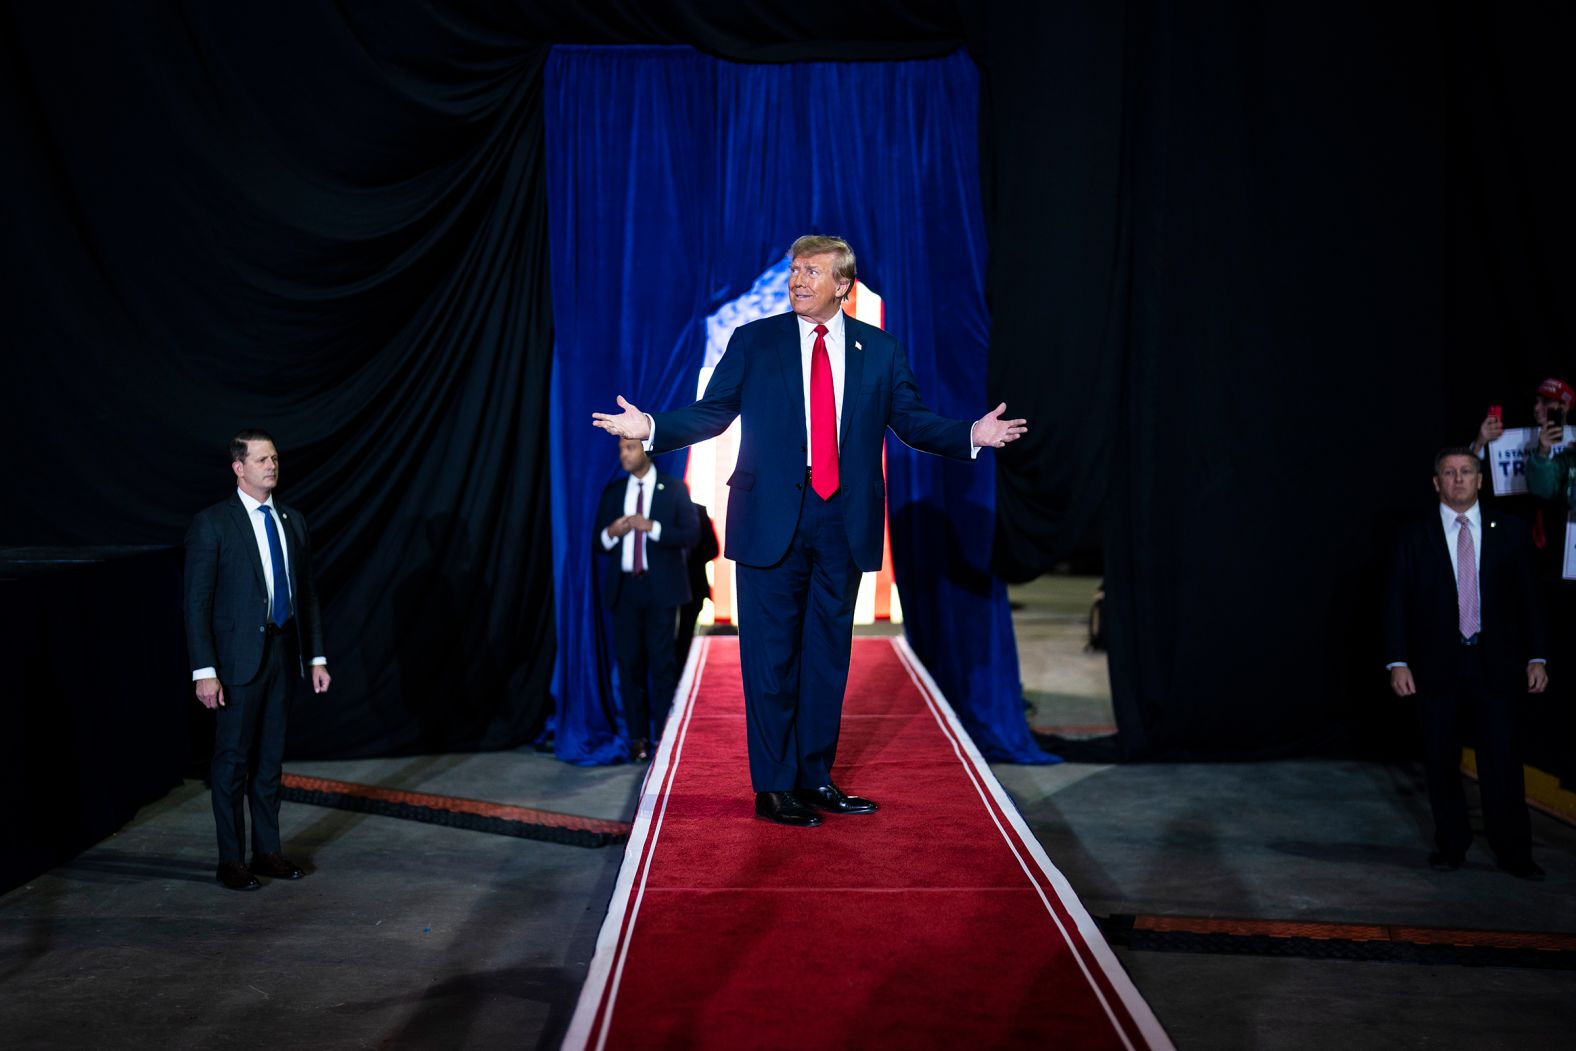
674,181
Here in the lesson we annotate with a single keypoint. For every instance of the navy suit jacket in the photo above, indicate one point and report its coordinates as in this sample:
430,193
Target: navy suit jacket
666,559
227,596
1421,617
760,378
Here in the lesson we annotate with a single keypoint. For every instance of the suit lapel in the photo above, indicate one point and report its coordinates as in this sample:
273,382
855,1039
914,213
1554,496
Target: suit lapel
243,525
793,372
293,545
853,372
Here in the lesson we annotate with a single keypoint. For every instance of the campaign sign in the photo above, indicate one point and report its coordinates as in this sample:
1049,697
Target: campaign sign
1507,458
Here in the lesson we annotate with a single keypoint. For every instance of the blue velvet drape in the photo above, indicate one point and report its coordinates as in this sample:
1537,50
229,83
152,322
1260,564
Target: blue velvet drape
674,180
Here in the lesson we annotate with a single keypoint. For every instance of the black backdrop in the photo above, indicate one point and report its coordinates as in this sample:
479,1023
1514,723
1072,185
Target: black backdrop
1250,264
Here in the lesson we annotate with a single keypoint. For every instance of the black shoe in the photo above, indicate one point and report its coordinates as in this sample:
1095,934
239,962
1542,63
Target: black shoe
834,800
236,876
784,809
1439,861
276,866
1525,868
640,751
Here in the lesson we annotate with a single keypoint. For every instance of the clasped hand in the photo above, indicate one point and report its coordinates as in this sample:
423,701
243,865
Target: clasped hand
623,525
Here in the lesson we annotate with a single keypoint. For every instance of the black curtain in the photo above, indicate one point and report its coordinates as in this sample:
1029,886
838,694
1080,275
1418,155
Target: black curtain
1251,263
323,221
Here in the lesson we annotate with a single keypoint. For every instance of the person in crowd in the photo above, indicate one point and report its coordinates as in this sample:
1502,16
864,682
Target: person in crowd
646,525
1551,394
1463,634
1551,476
251,613
704,551
815,391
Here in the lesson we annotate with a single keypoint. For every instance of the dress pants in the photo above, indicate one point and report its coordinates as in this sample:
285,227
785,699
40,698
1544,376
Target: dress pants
796,627
249,739
643,646
1475,709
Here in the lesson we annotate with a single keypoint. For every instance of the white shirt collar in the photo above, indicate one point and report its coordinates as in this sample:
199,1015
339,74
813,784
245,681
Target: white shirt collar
252,505
1474,514
834,326
649,479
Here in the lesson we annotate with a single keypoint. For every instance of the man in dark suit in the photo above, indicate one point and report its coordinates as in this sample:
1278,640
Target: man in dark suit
699,556
1464,635
649,524
251,612
816,391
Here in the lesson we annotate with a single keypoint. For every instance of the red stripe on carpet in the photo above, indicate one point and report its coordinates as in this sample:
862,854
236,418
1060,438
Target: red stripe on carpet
480,808
937,922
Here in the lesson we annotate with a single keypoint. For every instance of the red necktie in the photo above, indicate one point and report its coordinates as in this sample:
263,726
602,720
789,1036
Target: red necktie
640,538
823,420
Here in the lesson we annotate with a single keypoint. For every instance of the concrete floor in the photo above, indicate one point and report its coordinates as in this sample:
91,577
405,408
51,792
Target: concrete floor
416,936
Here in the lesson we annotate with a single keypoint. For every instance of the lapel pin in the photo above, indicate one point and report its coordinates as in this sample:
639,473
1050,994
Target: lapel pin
858,345
661,486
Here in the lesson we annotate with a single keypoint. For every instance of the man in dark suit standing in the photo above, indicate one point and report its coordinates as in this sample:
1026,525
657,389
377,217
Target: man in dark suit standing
816,391
704,552
649,524
251,612
1464,635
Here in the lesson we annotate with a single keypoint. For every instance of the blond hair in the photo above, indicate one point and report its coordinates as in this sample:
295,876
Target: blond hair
816,244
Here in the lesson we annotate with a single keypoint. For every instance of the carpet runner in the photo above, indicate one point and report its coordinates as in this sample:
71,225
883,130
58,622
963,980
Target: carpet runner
937,922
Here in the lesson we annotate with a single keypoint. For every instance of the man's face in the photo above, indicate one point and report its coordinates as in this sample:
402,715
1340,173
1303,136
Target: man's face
632,457
812,288
1458,481
1541,407
259,472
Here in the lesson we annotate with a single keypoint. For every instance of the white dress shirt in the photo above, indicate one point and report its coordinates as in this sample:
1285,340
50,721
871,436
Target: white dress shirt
838,361
646,488
260,534
1474,514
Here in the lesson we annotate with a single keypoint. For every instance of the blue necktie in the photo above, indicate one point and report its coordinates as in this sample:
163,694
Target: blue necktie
276,553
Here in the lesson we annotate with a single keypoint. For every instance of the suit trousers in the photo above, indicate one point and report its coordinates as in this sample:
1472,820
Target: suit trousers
1484,711
248,751
643,646
796,627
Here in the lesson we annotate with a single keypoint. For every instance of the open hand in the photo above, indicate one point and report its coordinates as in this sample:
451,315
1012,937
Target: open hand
990,429
631,423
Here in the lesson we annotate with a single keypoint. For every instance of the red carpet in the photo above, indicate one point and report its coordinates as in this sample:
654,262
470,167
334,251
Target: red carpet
937,922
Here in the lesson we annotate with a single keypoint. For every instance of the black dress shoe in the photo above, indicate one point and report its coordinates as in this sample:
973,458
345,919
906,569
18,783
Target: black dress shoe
276,866
640,750
834,800
784,809
1524,868
236,876
1439,861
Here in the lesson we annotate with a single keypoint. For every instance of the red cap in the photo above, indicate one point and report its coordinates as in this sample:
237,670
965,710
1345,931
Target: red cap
1553,388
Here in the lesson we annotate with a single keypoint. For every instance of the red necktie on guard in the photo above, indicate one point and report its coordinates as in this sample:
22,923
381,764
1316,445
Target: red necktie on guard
823,420
640,538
